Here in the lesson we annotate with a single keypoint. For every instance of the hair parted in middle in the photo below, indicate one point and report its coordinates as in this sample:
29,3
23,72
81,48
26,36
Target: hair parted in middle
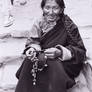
59,2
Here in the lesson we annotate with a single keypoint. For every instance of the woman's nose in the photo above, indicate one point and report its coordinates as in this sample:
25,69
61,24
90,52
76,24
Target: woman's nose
51,11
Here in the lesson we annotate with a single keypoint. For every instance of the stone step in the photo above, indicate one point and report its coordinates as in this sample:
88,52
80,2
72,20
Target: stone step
8,69
10,59
12,46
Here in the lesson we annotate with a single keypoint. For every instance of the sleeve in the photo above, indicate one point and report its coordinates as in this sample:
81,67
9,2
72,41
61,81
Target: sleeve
34,37
75,42
65,53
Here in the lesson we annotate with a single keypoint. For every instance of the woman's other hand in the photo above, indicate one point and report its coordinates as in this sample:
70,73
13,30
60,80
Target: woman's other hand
32,50
52,53
31,53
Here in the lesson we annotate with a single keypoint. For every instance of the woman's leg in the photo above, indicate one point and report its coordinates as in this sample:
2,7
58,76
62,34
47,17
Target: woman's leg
51,79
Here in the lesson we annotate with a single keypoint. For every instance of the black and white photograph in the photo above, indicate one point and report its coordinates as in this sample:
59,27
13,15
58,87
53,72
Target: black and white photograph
45,45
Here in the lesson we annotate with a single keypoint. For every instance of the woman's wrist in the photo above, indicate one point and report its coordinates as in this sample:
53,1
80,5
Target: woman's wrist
66,53
59,52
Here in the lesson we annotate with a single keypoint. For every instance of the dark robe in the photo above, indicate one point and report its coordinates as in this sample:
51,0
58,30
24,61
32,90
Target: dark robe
59,75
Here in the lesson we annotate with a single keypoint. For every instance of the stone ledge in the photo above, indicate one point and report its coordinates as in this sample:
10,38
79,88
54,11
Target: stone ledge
12,47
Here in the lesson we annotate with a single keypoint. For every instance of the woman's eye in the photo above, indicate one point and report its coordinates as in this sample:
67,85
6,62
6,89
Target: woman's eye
55,8
47,7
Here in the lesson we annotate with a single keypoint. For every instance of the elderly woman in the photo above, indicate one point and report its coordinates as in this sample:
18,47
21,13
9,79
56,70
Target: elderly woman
54,52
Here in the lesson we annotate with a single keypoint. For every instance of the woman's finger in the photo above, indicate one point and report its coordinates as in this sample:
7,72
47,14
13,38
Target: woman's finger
50,55
48,51
30,51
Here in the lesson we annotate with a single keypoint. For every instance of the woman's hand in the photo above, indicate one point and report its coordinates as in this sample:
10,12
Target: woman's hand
52,53
31,53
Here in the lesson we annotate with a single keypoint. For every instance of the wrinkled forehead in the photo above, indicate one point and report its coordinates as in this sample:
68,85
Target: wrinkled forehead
51,2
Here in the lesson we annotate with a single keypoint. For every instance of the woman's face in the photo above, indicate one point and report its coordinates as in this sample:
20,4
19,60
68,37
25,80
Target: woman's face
51,10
